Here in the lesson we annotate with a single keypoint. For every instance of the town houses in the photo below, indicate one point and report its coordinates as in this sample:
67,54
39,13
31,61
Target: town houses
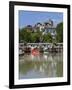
44,27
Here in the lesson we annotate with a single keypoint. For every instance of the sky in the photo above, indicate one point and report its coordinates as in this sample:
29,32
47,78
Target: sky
33,17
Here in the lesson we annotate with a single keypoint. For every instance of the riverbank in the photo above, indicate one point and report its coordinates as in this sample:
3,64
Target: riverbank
40,48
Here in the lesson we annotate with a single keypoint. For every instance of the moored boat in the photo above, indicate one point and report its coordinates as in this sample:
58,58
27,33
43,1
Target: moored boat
35,51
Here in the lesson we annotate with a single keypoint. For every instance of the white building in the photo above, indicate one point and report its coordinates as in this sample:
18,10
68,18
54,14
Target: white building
46,27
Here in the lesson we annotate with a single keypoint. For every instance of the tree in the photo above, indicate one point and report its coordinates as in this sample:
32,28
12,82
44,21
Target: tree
33,37
47,38
36,37
25,35
59,30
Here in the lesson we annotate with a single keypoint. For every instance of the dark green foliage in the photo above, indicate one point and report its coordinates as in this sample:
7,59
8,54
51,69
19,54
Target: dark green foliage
24,35
59,30
47,38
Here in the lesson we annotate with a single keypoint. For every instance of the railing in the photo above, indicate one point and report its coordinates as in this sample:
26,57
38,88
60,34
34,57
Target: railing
40,43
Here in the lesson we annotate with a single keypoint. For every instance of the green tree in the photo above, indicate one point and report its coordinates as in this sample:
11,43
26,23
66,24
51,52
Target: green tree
47,38
25,35
36,36
59,30
33,37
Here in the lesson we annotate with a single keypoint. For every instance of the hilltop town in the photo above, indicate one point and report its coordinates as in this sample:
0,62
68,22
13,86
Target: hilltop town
42,32
45,27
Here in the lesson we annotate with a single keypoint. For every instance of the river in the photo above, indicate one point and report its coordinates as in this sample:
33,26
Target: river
41,66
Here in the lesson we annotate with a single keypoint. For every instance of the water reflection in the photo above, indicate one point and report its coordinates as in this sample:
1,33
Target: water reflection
41,66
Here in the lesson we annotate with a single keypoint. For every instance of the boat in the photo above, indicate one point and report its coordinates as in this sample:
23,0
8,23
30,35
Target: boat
35,51
27,50
21,52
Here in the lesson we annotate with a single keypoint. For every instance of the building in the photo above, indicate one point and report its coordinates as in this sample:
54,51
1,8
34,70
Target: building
46,27
29,28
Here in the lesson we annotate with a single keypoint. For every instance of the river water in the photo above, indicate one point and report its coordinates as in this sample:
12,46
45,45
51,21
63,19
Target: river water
41,66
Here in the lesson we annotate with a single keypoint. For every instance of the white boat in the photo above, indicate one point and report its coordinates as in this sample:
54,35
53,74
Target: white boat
21,52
